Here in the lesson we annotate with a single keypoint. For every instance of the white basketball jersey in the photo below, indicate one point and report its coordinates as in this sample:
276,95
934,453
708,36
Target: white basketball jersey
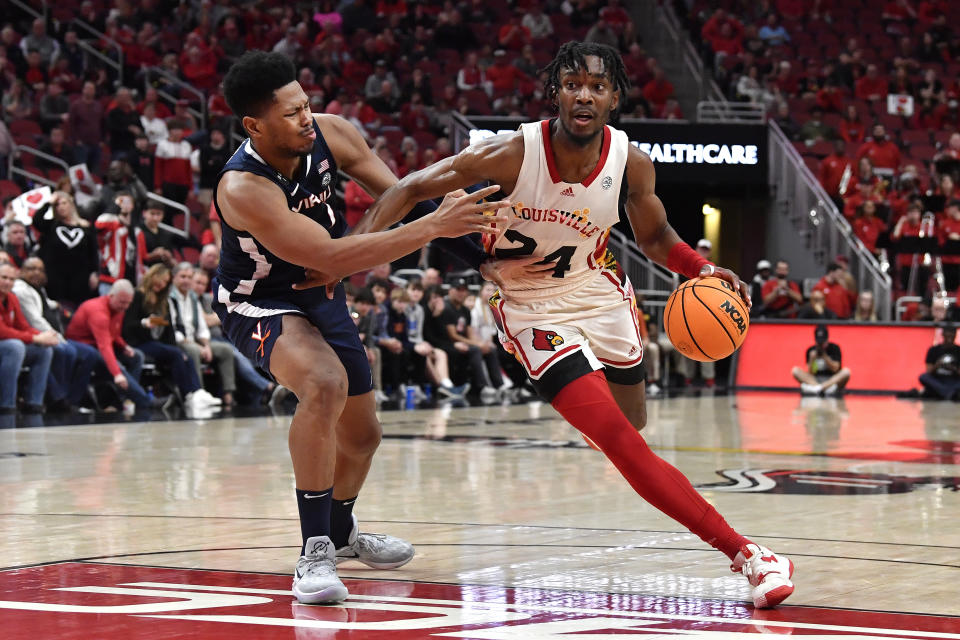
561,221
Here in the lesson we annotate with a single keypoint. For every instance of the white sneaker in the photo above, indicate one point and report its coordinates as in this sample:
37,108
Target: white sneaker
653,389
375,550
208,397
194,402
831,390
315,579
768,572
488,394
810,389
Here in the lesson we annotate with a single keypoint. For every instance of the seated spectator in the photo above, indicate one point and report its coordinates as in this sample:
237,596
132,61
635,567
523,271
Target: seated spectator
537,23
815,129
773,33
824,373
909,226
17,102
942,377
514,35
265,391
837,297
658,89
816,308
68,248
98,322
147,326
872,86
15,241
471,76
750,89
866,186
867,226
193,335
432,362
948,231
882,152
394,342
21,344
781,296
485,331
209,260
159,243
852,128
502,74
469,351
364,312
122,246
758,310
207,161
72,362
866,310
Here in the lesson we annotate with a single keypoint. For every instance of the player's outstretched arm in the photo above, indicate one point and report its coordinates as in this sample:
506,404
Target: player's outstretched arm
254,204
497,159
654,235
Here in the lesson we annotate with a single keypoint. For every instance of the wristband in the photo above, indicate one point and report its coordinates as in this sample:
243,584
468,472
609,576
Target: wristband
685,261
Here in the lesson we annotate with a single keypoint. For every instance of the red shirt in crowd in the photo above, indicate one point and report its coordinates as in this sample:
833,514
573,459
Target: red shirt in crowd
13,324
908,230
780,303
947,227
852,130
504,77
883,154
657,91
357,201
94,324
868,230
831,171
838,298
866,87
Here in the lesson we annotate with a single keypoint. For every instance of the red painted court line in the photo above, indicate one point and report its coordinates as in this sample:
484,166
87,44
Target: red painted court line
81,601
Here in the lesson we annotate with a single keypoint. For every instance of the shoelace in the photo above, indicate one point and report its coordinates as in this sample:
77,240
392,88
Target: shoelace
318,566
372,542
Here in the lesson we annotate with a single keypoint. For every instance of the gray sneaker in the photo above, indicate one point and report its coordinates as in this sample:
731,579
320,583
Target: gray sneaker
375,549
315,580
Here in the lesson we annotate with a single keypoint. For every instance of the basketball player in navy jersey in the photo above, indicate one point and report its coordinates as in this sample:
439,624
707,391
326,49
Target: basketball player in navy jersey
272,197
563,309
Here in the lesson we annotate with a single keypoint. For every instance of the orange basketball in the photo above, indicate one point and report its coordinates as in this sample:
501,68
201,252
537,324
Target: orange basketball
706,319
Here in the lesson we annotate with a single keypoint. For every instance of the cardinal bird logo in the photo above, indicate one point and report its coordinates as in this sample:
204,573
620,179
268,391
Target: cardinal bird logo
546,340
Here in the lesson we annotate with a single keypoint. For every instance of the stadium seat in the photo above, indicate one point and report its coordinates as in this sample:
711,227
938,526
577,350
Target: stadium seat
911,137
9,188
25,126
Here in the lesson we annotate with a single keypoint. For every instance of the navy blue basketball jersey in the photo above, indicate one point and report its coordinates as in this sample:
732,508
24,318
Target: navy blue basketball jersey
247,269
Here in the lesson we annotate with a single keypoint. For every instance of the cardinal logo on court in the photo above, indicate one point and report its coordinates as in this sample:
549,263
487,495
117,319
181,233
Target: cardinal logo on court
546,340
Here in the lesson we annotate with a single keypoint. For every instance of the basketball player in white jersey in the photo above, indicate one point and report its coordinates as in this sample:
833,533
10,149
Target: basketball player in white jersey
564,310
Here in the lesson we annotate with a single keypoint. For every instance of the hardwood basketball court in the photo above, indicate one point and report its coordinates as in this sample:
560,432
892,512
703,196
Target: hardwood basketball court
188,528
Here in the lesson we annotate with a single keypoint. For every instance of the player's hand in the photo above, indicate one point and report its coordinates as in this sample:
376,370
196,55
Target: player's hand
527,267
121,381
316,278
725,274
206,353
462,213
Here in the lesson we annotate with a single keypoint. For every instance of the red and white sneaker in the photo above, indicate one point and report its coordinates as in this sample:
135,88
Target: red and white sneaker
768,572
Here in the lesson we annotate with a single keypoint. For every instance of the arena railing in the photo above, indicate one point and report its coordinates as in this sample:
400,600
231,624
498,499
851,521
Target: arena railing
19,150
149,73
800,200
724,111
91,50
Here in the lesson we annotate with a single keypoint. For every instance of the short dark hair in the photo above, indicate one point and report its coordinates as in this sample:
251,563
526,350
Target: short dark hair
379,282
833,266
365,295
252,80
573,55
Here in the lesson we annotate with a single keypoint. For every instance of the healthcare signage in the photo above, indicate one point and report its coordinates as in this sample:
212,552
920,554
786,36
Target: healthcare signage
682,152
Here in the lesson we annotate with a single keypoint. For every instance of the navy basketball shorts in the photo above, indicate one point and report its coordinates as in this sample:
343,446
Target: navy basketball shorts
254,327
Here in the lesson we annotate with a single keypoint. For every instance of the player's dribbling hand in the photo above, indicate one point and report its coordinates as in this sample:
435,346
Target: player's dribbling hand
739,285
461,213
527,267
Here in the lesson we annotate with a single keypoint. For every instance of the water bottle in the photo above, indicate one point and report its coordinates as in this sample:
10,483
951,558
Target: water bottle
411,402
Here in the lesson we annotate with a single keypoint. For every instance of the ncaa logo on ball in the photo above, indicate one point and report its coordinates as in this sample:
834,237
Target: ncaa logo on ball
728,308
607,182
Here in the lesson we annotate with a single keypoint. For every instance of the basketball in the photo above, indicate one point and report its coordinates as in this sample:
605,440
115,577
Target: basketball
706,319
